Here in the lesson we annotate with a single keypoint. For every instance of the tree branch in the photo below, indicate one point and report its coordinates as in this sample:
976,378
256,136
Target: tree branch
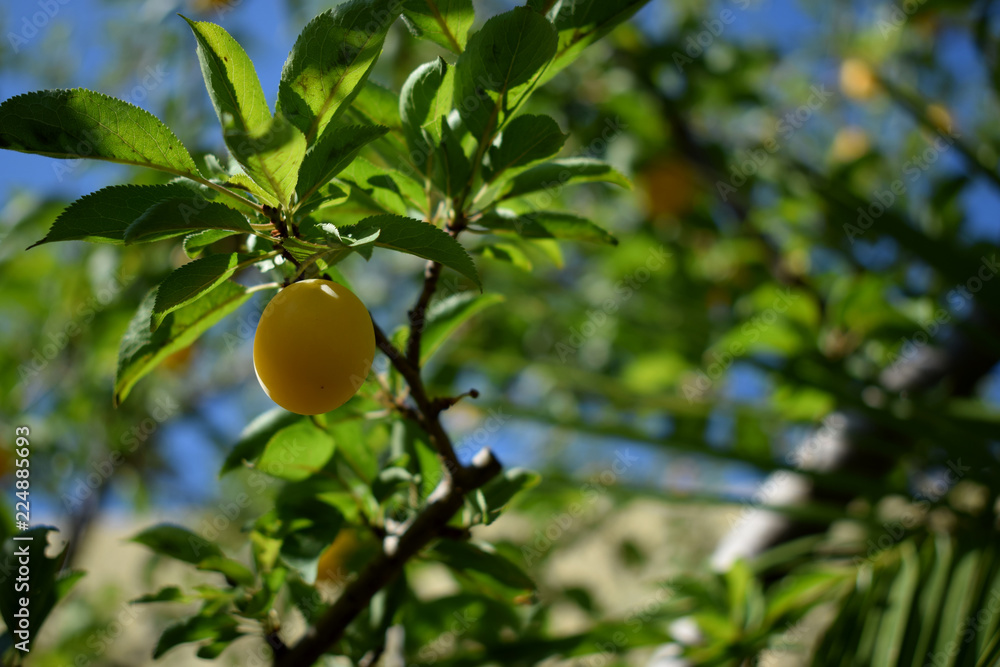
418,315
396,550
400,545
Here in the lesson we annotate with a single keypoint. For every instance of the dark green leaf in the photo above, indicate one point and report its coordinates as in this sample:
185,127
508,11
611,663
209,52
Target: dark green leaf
332,153
515,45
390,480
176,217
233,570
142,350
454,167
330,62
525,139
177,542
506,252
80,123
547,224
508,52
446,315
195,629
103,216
499,492
168,594
481,557
419,238
580,23
193,280
254,438
551,176
196,244
444,22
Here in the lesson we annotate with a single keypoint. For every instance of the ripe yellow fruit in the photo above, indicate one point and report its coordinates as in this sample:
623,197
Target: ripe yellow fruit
849,144
314,346
335,563
857,80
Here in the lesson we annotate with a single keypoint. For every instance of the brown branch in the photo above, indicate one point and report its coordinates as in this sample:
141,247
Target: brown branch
418,315
432,522
427,412
395,552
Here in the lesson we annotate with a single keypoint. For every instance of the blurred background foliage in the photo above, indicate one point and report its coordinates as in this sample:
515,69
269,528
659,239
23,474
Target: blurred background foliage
654,385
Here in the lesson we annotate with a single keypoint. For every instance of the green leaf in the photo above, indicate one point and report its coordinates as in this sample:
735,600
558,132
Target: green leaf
385,189
454,167
506,252
444,22
332,153
193,280
183,215
390,480
195,629
79,123
423,99
419,238
254,438
269,150
507,53
233,570
481,557
296,452
47,585
196,244
142,350
550,176
330,62
515,45
526,139
446,315
580,23
168,594
103,216
177,542
377,105
499,492
546,224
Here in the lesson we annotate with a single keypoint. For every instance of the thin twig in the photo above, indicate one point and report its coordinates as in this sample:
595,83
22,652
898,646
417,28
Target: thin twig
442,504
